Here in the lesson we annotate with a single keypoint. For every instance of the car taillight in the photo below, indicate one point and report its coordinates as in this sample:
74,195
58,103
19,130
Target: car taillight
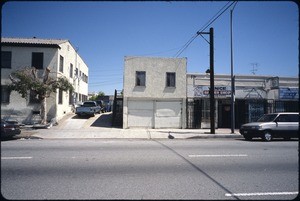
8,126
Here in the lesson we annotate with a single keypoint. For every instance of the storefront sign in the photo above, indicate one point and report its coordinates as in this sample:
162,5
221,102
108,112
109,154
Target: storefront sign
289,93
220,91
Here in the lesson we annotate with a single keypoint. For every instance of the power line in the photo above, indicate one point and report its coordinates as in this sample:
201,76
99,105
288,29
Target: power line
213,19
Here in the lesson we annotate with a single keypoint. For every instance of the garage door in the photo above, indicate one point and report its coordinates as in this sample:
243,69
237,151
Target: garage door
140,114
168,114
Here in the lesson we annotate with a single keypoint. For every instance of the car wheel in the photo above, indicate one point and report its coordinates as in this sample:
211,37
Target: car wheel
267,136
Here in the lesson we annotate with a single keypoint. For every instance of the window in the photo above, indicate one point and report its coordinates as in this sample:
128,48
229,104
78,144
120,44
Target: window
5,59
140,78
76,72
33,97
37,60
60,96
294,118
61,64
283,118
71,98
170,79
5,94
71,70
288,118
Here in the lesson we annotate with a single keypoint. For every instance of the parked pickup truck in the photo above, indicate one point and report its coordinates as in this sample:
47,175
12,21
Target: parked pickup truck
88,108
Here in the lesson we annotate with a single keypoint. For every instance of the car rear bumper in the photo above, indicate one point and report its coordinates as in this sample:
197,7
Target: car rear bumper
10,132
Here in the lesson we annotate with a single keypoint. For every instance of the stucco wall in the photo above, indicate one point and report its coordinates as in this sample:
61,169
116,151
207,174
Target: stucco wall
156,69
155,92
19,108
70,57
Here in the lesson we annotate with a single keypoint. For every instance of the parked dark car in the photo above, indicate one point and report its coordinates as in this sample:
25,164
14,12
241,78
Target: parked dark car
9,129
277,125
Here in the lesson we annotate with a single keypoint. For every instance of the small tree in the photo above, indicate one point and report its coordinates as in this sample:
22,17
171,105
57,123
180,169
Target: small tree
96,97
26,79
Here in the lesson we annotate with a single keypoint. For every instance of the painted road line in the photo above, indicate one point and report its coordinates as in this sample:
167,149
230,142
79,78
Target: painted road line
260,194
222,155
16,157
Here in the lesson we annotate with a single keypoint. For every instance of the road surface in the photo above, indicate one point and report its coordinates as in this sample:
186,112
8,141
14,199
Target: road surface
149,169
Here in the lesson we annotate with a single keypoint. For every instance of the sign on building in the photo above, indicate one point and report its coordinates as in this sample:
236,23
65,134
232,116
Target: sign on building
289,93
220,91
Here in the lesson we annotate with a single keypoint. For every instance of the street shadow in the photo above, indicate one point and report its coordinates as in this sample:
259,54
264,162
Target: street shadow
105,121
215,137
198,169
81,117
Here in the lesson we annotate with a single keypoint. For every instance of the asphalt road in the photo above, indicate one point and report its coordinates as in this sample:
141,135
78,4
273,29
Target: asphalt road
149,169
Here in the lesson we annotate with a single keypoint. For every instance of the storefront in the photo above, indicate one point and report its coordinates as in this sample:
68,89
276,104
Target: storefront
254,96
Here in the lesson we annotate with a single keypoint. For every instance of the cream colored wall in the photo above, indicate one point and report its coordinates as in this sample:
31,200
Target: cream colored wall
18,108
155,89
70,56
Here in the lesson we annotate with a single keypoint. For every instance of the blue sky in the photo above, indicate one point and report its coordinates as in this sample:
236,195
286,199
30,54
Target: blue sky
264,33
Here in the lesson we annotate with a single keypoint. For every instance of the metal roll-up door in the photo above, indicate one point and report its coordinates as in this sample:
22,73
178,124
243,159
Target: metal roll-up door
168,114
140,114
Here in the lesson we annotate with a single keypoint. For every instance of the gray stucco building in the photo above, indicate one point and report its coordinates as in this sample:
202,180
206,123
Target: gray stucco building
154,92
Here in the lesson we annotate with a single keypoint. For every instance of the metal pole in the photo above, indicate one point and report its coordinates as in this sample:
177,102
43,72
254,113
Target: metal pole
212,84
232,79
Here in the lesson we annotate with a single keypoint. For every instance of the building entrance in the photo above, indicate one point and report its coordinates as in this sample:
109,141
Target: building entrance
224,114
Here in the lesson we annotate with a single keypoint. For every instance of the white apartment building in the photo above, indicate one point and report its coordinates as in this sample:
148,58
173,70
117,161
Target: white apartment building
62,59
154,92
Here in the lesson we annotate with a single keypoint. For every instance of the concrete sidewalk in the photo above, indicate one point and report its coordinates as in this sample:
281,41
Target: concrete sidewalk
117,133
99,127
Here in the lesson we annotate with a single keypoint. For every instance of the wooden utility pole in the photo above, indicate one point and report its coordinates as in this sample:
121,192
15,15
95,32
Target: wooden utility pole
212,79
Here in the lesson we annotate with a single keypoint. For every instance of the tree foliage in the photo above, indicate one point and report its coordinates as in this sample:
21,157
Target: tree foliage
96,97
26,79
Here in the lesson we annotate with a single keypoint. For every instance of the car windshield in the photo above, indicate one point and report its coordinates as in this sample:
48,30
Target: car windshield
88,104
267,118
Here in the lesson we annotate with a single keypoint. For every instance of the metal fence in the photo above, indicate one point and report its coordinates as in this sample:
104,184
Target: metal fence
246,110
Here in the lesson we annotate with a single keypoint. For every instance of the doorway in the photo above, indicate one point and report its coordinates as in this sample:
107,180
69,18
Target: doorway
224,114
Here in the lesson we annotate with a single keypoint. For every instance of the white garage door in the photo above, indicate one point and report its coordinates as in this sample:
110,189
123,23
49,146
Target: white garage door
140,114
168,114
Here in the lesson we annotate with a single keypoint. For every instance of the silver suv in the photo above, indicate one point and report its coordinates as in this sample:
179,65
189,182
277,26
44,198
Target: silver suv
277,125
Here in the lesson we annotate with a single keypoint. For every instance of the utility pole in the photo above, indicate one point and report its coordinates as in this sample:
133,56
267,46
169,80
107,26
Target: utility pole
232,80
212,79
